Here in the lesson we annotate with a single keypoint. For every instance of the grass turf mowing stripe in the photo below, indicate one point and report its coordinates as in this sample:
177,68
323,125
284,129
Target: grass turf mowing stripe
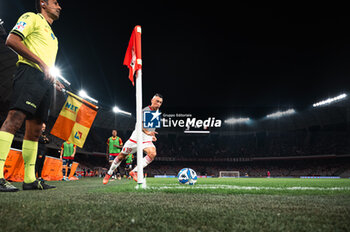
296,188
88,205
285,186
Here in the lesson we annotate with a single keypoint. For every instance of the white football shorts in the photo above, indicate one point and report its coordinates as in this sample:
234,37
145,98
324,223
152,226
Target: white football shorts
130,147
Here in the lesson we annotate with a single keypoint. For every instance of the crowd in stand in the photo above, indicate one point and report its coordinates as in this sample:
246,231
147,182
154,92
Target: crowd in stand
292,143
330,140
286,168
299,143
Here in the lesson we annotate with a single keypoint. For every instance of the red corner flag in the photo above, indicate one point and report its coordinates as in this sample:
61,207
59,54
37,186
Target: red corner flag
133,53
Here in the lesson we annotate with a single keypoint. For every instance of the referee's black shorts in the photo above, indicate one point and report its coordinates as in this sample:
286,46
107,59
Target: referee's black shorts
31,93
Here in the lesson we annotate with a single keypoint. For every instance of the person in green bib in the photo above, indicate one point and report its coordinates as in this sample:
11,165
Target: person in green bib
128,167
114,146
67,156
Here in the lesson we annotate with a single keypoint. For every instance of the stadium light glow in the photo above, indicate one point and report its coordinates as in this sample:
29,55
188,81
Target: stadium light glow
56,72
116,110
83,94
281,113
330,100
236,120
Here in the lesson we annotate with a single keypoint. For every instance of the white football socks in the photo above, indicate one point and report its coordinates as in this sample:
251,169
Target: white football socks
145,161
116,162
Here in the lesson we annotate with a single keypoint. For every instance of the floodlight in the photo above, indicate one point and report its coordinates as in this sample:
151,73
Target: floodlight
83,94
281,113
237,120
56,72
116,110
330,100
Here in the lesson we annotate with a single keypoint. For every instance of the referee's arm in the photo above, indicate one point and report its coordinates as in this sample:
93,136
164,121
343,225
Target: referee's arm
14,42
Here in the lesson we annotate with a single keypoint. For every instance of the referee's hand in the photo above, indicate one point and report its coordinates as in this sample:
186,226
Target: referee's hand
47,73
48,76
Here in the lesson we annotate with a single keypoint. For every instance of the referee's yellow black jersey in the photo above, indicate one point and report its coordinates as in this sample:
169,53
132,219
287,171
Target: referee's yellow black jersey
38,37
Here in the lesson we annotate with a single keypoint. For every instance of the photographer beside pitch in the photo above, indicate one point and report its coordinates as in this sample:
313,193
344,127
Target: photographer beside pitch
130,147
36,45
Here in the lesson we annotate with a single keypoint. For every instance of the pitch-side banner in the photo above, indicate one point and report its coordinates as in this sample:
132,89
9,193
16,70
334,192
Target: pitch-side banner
75,120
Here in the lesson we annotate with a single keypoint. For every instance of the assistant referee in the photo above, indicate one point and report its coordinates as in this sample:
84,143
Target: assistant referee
36,45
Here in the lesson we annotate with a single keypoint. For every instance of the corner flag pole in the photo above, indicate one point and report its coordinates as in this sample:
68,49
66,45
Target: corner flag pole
134,62
140,180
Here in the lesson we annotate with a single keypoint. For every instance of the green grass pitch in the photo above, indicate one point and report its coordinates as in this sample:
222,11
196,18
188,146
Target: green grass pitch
213,204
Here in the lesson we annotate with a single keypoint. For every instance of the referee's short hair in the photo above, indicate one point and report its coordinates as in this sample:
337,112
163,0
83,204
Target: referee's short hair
38,5
158,95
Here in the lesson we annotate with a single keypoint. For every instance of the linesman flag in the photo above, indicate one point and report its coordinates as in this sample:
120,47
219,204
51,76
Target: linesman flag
74,121
133,53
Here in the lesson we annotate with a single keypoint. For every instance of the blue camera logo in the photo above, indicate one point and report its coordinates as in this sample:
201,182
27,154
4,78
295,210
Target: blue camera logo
151,119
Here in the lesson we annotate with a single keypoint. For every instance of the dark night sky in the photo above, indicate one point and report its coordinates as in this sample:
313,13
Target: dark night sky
202,55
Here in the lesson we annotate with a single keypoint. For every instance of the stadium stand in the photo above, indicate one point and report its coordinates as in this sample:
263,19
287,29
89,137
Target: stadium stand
314,141
313,149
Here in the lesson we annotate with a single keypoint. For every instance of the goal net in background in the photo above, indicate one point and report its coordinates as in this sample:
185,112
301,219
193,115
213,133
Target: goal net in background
229,174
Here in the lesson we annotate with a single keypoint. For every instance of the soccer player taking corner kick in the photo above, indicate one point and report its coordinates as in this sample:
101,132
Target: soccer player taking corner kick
130,147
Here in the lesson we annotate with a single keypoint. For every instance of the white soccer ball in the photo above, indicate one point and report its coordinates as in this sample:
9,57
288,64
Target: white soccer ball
187,176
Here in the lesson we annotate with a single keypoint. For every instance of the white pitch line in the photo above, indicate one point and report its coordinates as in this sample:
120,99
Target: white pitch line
236,187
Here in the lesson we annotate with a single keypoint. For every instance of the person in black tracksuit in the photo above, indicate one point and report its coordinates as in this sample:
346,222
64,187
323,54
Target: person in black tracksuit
40,159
